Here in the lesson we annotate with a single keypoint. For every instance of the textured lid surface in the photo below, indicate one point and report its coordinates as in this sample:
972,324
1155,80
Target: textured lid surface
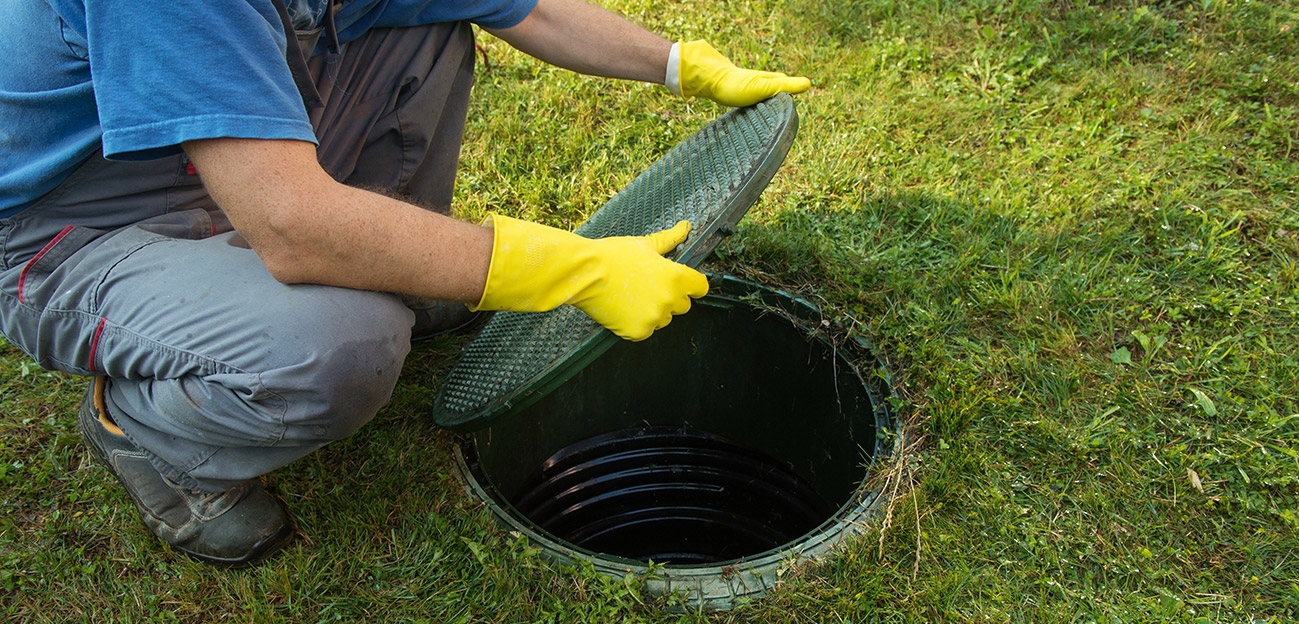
710,179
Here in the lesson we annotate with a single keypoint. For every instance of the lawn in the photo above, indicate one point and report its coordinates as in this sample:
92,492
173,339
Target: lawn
1070,228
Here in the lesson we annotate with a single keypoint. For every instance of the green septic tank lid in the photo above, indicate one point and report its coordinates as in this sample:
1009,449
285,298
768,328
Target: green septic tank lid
710,179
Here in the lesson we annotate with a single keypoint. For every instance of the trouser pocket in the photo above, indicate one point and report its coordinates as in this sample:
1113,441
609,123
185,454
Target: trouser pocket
43,315
30,287
51,306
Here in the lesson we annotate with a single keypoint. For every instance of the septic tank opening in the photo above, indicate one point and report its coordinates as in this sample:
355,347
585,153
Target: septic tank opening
734,441
670,494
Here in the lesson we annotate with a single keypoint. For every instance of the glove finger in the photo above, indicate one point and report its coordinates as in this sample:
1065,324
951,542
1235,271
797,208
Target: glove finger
793,84
663,321
693,283
758,86
644,329
758,74
678,306
667,240
632,335
769,85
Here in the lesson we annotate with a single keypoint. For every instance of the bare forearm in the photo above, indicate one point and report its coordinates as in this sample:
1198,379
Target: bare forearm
371,242
591,40
309,229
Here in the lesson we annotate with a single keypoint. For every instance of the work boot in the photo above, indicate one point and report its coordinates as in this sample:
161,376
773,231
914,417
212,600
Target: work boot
435,317
238,527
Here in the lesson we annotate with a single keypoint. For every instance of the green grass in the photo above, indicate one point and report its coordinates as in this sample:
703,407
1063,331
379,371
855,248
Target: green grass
1072,230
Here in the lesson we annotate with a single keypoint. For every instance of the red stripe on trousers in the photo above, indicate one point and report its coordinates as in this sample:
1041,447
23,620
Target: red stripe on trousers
22,277
94,344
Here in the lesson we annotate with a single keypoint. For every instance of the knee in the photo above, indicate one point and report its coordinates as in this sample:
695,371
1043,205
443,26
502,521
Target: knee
355,380
349,374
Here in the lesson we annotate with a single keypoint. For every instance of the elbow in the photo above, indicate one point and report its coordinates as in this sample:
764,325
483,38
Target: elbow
284,266
286,257
285,270
273,192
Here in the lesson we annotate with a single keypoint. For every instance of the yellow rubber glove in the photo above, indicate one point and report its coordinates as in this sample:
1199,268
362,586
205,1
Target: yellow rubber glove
704,72
624,282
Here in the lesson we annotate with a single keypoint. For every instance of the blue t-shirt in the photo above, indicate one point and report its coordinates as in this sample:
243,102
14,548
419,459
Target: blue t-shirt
138,77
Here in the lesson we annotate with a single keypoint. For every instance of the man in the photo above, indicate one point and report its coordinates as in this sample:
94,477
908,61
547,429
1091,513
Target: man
184,218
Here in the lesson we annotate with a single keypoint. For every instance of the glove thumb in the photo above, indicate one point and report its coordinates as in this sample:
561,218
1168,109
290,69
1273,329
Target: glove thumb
667,240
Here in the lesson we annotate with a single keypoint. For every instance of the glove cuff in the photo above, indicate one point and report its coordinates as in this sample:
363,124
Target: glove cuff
489,221
673,79
534,267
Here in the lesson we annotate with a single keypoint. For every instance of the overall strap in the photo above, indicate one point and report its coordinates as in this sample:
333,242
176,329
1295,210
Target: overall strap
296,55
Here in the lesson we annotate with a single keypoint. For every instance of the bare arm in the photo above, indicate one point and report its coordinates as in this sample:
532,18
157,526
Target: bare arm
588,39
307,228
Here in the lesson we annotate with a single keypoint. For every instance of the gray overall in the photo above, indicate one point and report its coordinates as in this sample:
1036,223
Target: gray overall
221,373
